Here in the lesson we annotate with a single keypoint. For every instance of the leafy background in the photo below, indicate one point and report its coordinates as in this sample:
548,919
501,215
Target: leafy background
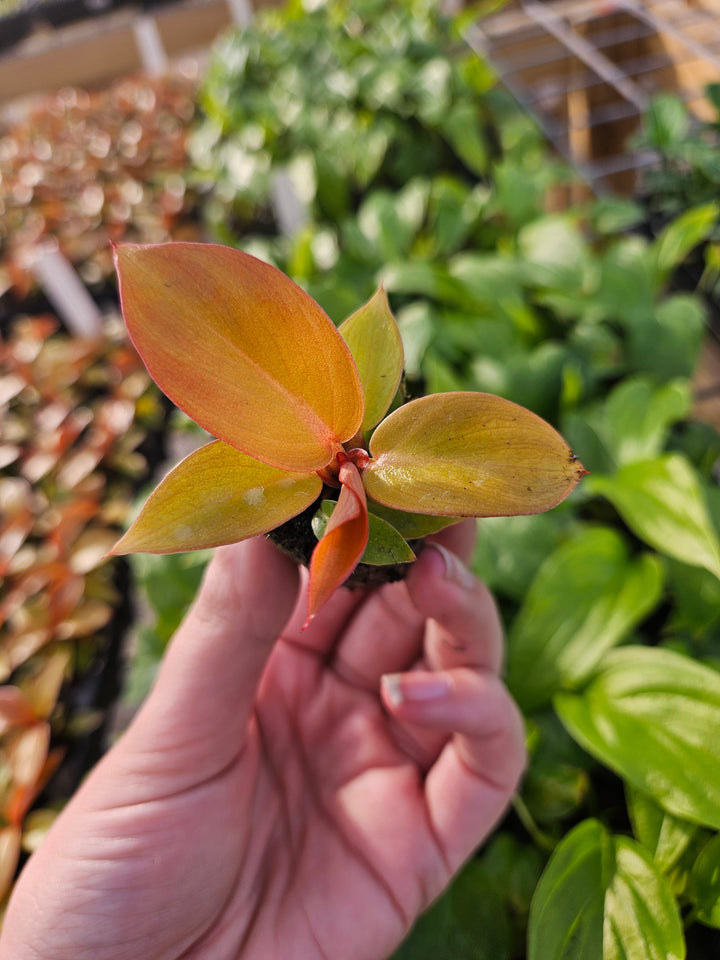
408,165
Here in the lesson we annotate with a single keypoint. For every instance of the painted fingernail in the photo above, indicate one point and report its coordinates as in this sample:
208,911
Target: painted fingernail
455,570
414,687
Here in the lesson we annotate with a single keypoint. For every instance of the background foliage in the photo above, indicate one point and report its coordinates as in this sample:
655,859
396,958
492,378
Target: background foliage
409,166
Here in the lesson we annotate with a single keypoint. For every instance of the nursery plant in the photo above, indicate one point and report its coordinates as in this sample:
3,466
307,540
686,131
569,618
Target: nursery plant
299,408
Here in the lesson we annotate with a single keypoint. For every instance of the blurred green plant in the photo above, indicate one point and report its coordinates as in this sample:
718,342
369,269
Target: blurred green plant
612,602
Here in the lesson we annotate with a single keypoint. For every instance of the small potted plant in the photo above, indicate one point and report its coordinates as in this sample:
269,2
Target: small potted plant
308,422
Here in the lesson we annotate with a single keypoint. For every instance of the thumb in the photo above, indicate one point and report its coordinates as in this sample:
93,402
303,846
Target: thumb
205,691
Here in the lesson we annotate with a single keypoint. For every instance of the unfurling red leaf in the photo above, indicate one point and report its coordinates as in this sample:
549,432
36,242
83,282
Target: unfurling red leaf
469,454
375,343
217,495
338,553
242,349
385,545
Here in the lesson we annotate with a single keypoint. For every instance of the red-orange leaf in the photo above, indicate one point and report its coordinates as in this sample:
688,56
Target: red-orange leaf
242,349
339,551
217,495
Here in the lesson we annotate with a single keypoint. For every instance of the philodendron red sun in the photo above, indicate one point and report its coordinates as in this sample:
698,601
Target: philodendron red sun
299,407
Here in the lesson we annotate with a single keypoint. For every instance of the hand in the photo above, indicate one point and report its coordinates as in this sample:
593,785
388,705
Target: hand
286,798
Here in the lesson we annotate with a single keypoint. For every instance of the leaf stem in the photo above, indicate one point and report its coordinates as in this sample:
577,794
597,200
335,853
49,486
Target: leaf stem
542,839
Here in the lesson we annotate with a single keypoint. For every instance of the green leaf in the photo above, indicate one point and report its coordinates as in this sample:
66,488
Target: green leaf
374,340
666,121
602,898
587,597
641,915
706,877
662,501
666,341
638,416
567,911
385,545
555,252
653,716
411,526
510,550
664,835
683,235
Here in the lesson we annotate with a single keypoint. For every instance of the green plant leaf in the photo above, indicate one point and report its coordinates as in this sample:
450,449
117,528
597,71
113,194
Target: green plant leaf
641,915
567,910
217,495
666,121
585,599
637,417
374,340
664,835
706,878
662,501
653,716
602,898
385,545
411,526
683,235
510,550
664,340
468,454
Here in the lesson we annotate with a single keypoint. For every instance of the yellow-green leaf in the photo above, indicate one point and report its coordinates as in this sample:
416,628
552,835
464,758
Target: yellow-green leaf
217,495
242,349
385,545
374,340
469,454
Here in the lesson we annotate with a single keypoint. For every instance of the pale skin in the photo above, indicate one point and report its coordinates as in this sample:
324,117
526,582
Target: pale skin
275,798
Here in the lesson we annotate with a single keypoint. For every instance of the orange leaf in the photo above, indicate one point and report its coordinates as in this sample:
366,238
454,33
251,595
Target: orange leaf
217,495
242,349
469,454
343,543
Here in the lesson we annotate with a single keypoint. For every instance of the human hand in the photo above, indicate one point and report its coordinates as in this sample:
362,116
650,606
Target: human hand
299,798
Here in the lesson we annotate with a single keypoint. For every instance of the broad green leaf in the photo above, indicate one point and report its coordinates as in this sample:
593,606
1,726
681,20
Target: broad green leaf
469,454
637,416
241,349
567,910
666,121
683,234
374,340
662,501
653,716
665,341
586,598
642,921
602,898
706,878
385,545
214,496
510,550
664,835
411,526
555,252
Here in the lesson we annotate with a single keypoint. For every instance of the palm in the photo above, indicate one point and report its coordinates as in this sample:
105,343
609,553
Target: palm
269,807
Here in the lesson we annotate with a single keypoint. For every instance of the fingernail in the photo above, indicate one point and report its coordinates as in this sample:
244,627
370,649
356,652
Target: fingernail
455,570
414,687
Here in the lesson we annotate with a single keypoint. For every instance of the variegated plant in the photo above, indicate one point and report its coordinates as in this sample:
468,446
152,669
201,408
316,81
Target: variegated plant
299,408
